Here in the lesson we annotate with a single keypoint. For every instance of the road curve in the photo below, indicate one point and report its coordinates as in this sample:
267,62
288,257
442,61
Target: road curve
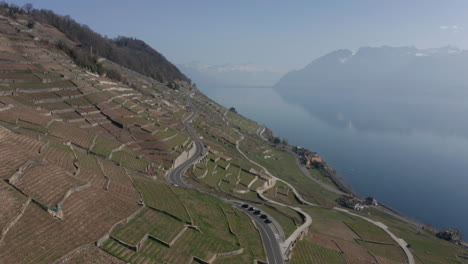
176,177
399,241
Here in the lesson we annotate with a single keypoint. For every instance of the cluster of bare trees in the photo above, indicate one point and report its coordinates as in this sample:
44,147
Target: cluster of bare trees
129,52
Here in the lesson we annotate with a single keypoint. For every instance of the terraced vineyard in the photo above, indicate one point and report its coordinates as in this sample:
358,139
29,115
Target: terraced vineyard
170,240
310,253
82,153
152,222
85,161
160,196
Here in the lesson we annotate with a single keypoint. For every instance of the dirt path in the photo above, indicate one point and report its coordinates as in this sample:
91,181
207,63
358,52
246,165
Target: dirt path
402,243
398,240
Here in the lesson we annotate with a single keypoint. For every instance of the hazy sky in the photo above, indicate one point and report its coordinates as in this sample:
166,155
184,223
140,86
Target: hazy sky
278,34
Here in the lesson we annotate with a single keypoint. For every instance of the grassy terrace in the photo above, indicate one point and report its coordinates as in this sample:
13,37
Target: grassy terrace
368,231
130,160
40,85
247,126
283,194
19,75
161,196
231,180
165,133
306,252
86,160
246,233
211,216
246,178
103,146
177,141
151,222
327,180
347,236
425,247
283,165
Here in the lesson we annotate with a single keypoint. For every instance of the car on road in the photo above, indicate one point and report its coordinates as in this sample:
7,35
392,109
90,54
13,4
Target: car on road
264,216
252,208
267,221
245,206
257,212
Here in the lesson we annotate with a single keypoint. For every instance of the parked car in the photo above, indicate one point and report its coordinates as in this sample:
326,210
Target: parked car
257,212
245,206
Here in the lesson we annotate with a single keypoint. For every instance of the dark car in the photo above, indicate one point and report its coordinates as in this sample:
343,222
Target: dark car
257,212
267,221
263,216
245,206
251,208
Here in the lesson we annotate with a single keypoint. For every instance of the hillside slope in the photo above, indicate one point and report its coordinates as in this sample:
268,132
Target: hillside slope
84,161
128,52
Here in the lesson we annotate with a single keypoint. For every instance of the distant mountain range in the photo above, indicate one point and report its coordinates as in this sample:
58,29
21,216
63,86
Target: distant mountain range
381,68
229,75
385,88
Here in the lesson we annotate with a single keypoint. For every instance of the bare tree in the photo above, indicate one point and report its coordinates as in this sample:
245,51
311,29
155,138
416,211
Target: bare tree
28,7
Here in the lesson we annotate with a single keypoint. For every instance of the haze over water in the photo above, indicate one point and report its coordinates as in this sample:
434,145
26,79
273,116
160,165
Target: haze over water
420,174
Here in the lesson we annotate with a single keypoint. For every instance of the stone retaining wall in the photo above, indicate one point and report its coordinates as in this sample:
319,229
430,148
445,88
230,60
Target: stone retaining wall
184,156
103,239
13,221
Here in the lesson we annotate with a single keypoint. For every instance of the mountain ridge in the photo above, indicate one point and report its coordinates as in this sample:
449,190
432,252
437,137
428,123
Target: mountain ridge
370,65
129,52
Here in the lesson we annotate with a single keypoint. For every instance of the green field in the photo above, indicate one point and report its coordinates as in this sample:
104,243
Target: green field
283,165
213,220
151,222
306,253
161,196
130,160
104,146
368,231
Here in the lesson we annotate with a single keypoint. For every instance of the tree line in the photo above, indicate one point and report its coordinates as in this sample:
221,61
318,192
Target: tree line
129,52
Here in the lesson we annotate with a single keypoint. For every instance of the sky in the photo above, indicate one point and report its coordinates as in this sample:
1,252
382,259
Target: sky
272,34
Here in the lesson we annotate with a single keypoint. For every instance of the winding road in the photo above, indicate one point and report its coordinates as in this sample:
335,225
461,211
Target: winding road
176,177
402,243
273,247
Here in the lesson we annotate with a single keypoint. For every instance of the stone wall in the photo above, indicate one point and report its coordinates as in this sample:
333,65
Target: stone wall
103,239
13,221
184,156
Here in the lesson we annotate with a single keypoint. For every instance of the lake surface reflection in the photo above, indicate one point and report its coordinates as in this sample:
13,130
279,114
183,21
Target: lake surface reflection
419,173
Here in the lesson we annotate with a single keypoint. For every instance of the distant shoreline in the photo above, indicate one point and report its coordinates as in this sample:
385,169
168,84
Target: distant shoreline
343,186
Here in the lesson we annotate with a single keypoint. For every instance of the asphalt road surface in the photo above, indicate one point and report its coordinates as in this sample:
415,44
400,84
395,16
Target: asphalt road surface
270,239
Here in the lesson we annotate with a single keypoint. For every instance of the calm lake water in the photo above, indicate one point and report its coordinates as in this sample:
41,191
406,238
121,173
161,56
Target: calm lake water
420,174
